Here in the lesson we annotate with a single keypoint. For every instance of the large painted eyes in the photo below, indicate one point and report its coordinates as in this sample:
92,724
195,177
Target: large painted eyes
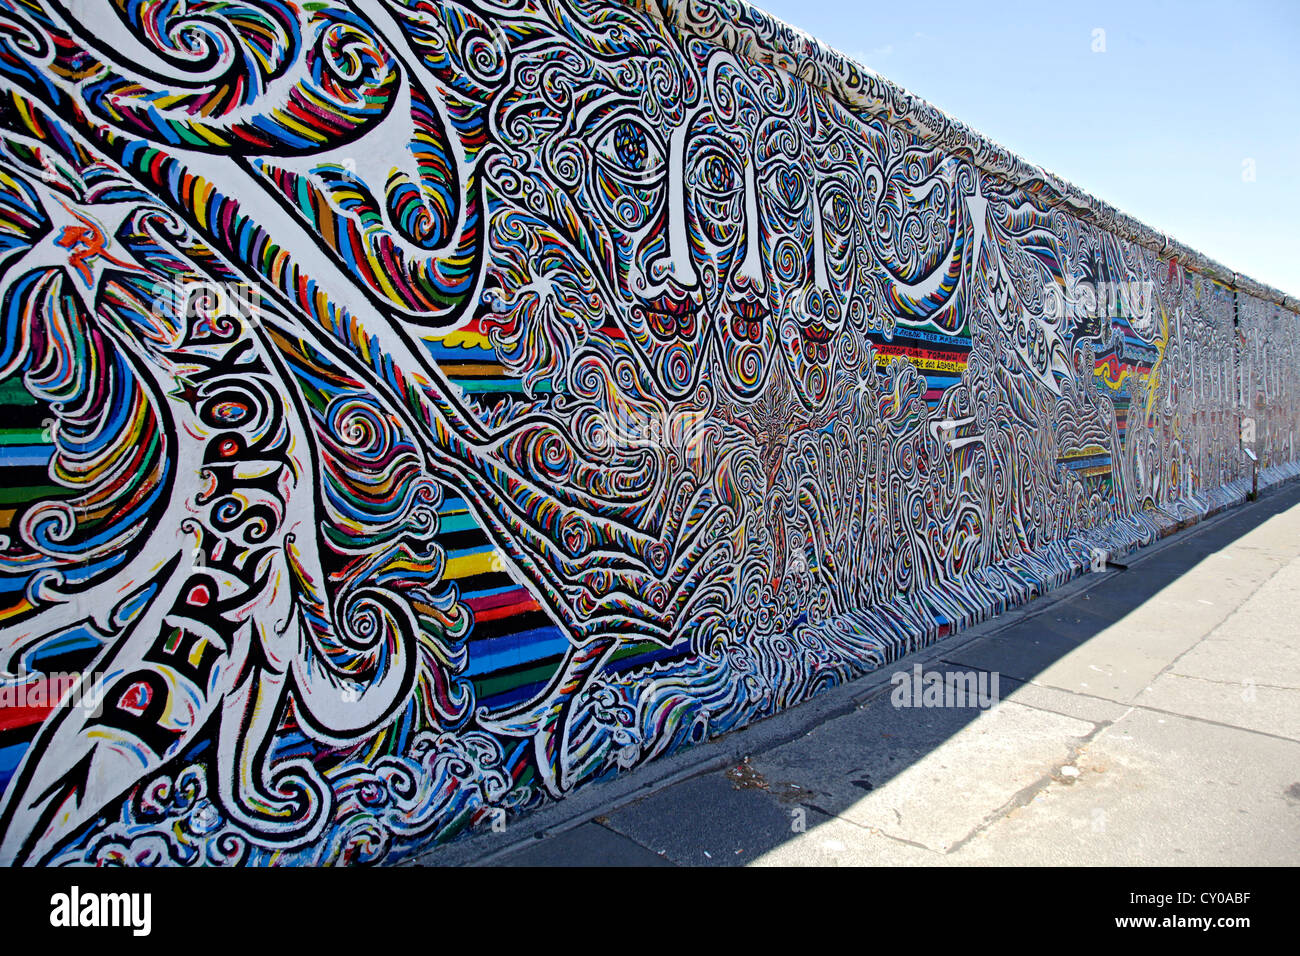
714,173
631,147
717,175
629,151
788,186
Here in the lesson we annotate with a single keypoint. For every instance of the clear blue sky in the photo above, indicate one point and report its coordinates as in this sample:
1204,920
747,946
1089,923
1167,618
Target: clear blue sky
1159,124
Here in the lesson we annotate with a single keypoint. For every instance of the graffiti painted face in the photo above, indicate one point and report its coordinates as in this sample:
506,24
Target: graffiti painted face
587,233
722,218
665,299
815,177
662,193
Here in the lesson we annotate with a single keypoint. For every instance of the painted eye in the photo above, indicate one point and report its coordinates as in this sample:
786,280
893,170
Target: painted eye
715,174
787,185
718,175
837,214
630,151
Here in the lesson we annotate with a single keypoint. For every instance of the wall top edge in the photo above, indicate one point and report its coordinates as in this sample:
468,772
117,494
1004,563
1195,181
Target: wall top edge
744,29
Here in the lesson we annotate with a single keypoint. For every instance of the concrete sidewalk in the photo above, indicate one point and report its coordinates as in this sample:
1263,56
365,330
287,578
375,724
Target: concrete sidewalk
1148,716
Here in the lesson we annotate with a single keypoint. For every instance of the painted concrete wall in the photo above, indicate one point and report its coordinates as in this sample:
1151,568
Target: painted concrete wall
416,410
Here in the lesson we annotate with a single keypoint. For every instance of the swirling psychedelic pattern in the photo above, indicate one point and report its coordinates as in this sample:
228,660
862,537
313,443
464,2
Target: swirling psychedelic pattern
415,410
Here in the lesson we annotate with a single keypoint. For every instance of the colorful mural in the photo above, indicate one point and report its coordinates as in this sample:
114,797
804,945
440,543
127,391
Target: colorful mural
415,410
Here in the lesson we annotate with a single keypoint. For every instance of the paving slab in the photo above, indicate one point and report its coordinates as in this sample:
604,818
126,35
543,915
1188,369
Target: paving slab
1021,652
587,845
1238,655
712,820
1269,710
1094,710
1156,789
836,842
